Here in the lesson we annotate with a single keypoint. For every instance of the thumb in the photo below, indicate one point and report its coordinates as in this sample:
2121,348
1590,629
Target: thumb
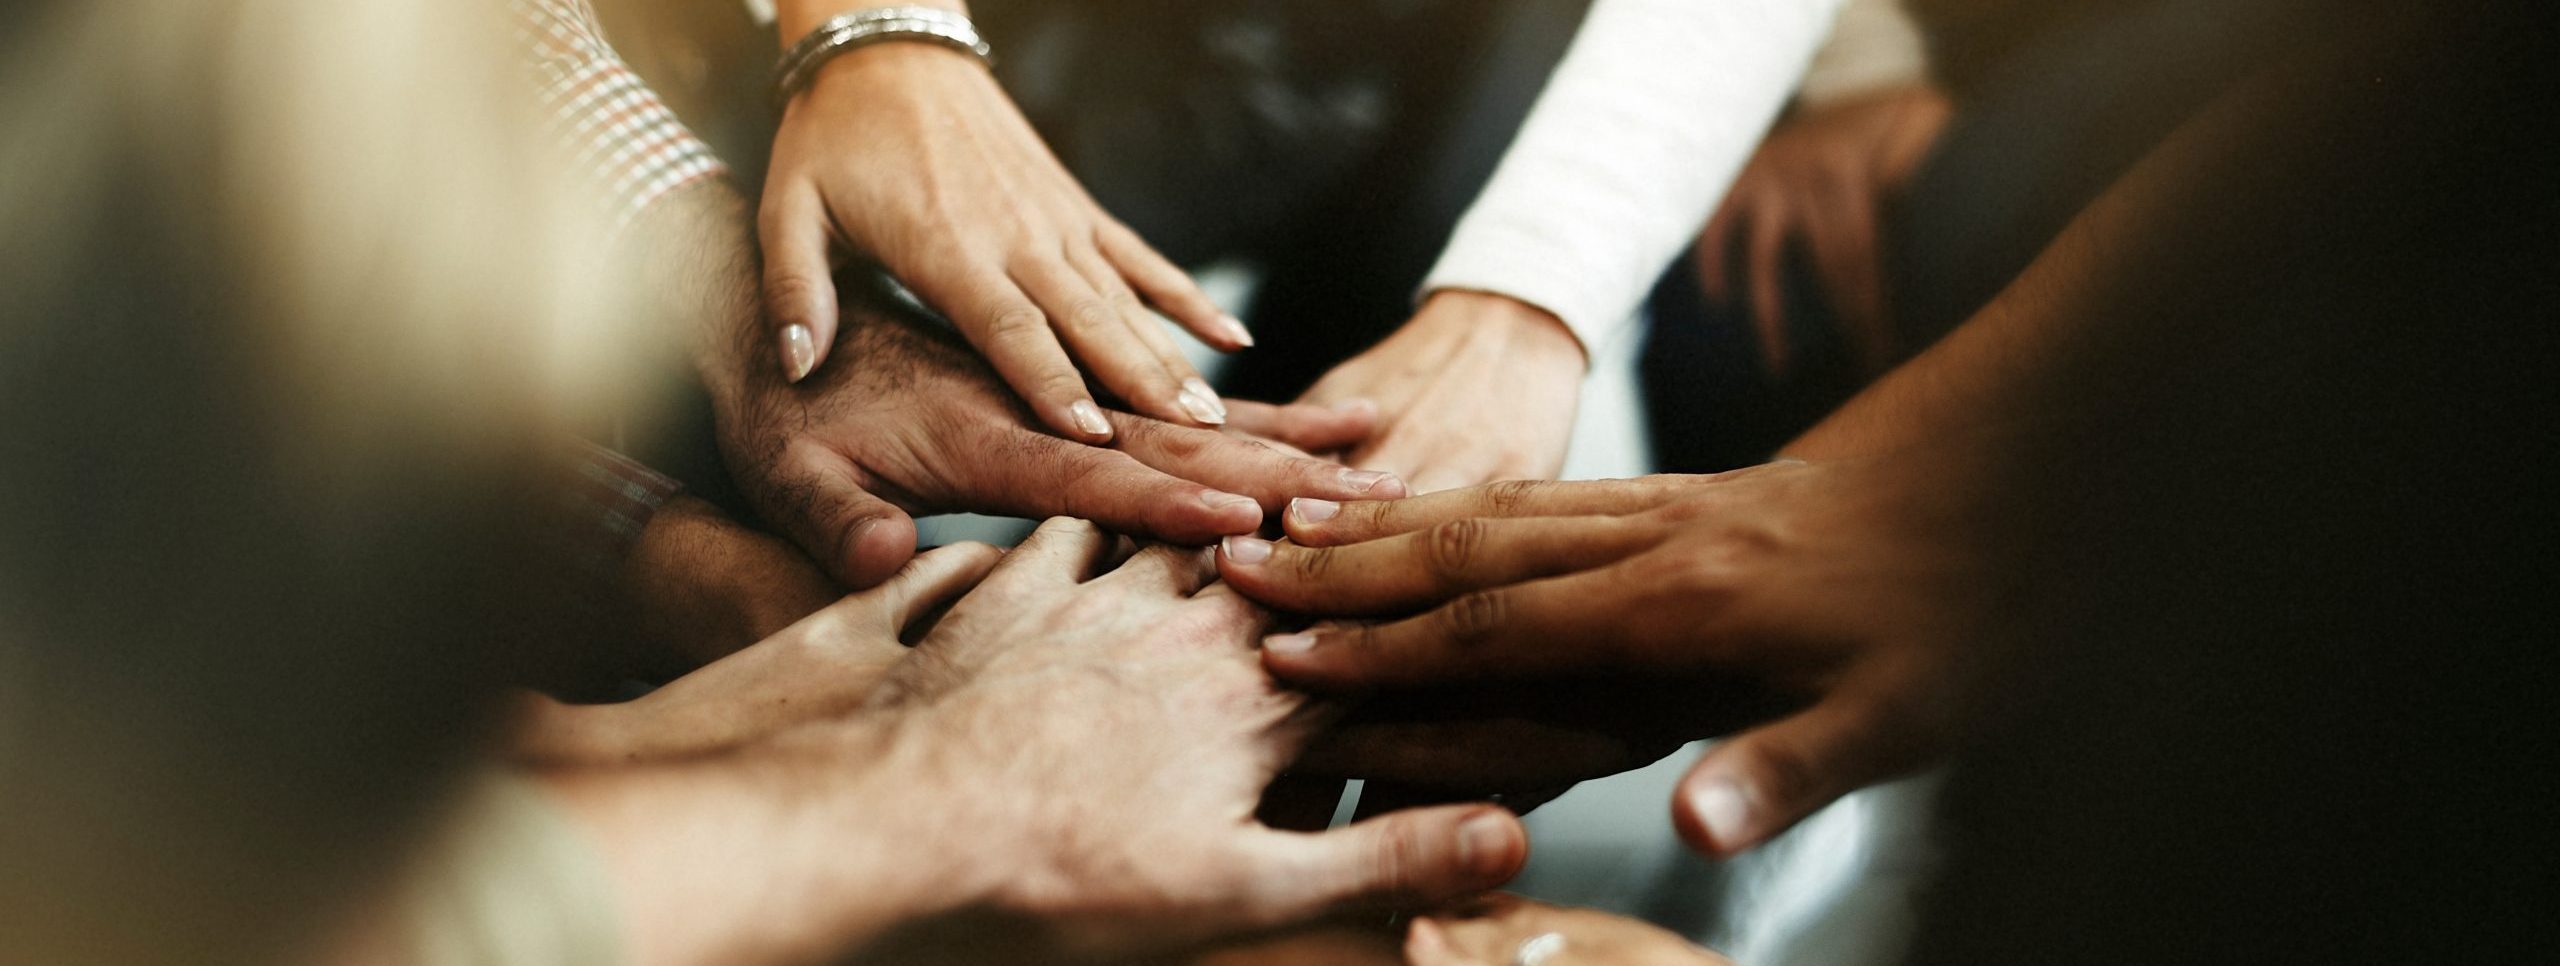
1753,786
859,538
799,283
1401,860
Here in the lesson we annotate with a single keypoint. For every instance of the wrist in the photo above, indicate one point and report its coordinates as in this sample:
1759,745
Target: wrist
811,845
1528,331
793,19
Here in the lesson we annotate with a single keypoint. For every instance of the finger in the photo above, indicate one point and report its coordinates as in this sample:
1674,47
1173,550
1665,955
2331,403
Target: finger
799,282
1751,787
1047,476
933,579
1062,550
1270,477
1768,294
1198,401
1014,335
1318,523
1402,573
1406,860
859,538
1844,244
1182,570
1170,289
1094,333
1556,624
1310,427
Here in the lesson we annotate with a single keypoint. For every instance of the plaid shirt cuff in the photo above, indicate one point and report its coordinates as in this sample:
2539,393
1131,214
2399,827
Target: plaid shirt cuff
612,123
604,505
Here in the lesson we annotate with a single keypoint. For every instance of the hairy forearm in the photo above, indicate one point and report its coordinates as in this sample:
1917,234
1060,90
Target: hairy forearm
800,851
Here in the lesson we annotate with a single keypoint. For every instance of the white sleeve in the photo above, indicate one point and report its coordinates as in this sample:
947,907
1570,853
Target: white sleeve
1874,46
1654,110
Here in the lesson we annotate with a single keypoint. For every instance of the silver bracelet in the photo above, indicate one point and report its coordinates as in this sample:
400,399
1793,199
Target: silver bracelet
845,32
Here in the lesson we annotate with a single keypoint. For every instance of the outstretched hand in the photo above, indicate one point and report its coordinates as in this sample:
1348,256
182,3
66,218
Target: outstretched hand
1866,593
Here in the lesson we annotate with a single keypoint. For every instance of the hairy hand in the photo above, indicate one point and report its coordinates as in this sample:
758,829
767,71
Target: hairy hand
1475,388
911,154
1109,729
915,423
1868,594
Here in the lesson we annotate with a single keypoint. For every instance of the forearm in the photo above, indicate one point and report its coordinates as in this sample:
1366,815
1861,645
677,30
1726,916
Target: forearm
799,851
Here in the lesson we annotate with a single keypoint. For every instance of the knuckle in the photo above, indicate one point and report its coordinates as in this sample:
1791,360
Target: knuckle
1475,618
1510,496
1449,550
1088,318
1311,565
1015,323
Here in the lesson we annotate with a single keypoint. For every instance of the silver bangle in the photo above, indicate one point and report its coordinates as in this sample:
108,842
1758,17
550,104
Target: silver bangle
845,32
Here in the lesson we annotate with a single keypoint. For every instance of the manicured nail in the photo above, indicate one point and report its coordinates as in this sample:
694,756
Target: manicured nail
1236,330
799,351
1298,643
1202,404
1245,550
1088,417
1200,387
1484,842
1721,807
1219,501
1307,509
1367,481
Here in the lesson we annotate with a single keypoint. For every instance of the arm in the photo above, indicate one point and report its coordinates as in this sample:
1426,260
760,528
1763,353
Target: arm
1655,107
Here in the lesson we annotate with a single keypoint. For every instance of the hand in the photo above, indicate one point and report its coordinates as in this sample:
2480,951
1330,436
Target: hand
912,154
1820,184
701,586
1493,931
1477,387
1131,730
1871,592
919,425
818,668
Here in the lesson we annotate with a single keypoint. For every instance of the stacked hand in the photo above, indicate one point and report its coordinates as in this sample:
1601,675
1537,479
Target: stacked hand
1476,388
1865,592
919,424
911,154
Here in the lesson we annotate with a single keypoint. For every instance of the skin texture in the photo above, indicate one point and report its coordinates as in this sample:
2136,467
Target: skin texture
818,668
911,154
702,586
1477,387
1844,589
1819,187
1490,933
1069,761
840,461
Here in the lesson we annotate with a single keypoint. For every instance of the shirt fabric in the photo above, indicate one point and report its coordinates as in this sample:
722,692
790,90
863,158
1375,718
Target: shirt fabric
1644,125
615,127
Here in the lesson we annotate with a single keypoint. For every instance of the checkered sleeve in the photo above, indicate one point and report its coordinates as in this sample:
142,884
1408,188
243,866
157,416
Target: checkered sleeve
613,125
605,501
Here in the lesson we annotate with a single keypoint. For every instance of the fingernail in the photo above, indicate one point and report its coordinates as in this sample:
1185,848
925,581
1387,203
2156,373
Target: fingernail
1235,329
1307,509
799,351
1298,643
1219,501
1202,404
1245,550
1365,480
1088,417
1201,388
1484,843
1721,808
